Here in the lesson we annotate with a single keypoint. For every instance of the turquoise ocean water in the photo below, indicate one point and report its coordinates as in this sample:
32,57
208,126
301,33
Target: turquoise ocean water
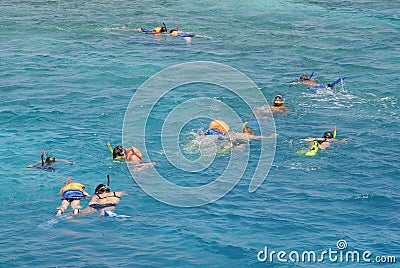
67,79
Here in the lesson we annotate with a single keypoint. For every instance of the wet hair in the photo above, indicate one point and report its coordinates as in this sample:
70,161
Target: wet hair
173,30
304,77
328,135
118,152
101,188
248,130
50,159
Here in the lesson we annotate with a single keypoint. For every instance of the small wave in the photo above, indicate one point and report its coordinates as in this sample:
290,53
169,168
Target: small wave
373,198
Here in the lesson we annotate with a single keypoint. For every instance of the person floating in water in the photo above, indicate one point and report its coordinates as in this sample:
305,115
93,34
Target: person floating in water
102,200
157,30
305,80
71,194
219,127
179,33
48,163
132,155
313,85
278,107
278,104
246,135
326,140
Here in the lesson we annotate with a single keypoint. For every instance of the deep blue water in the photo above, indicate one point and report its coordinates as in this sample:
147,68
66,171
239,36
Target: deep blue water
67,79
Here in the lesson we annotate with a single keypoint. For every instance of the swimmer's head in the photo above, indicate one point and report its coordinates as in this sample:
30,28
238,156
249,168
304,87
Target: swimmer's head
50,159
173,30
304,77
118,152
163,28
279,100
101,189
248,130
328,135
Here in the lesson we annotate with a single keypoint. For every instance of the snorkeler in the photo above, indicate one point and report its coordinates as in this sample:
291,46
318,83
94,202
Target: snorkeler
132,155
71,194
157,30
179,33
219,127
313,85
103,199
305,80
278,104
326,140
263,112
48,163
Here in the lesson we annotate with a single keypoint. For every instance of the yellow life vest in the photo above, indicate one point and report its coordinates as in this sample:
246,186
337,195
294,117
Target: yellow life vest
73,186
156,30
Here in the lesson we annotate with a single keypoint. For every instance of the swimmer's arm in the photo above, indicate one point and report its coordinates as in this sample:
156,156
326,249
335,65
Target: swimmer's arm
86,194
64,161
314,139
272,136
346,140
35,165
255,137
119,194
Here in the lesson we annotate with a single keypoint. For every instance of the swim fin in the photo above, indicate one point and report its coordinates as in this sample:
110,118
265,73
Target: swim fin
332,84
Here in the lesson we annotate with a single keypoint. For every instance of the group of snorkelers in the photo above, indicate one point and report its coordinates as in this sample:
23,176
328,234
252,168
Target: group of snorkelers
176,32
329,136
219,127
163,30
104,200
72,193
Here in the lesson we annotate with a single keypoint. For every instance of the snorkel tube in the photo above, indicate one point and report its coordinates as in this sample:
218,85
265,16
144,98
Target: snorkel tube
109,147
244,125
108,180
334,132
311,75
42,158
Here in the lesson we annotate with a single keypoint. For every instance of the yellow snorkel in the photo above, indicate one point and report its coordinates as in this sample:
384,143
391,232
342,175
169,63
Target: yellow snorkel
334,132
109,147
244,125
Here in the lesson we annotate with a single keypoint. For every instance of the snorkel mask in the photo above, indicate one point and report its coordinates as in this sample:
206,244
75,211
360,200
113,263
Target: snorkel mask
328,135
101,189
278,100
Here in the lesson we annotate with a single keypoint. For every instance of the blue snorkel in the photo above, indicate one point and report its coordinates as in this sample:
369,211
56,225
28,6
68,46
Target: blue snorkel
312,74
